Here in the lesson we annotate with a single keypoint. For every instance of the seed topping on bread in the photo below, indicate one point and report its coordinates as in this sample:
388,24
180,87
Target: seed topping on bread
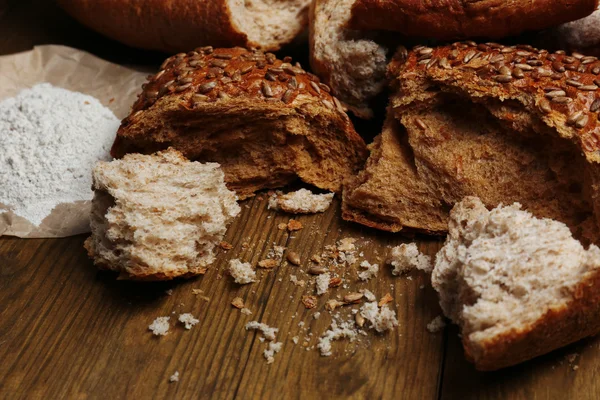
209,75
564,88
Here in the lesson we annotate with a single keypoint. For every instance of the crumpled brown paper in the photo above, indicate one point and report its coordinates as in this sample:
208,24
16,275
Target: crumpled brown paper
113,85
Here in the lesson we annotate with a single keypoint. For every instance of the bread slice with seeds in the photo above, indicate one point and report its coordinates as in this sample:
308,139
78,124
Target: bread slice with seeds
351,62
158,217
173,26
265,121
517,286
506,124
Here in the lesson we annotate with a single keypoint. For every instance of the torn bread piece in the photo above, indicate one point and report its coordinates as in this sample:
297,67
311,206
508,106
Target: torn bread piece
158,217
517,286
407,257
302,201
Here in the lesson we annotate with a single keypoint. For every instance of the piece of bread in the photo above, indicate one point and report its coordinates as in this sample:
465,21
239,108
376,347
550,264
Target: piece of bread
582,35
349,61
264,120
517,286
506,124
301,201
182,25
158,217
454,19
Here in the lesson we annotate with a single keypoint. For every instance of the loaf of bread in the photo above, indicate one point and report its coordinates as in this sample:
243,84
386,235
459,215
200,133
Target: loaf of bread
517,286
454,19
158,217
506,124
266,121
582,35
351,62
181,25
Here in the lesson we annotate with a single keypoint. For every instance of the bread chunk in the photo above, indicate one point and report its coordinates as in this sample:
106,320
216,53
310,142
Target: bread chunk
181,25
516,285
351,62
158,217
480,120
265,121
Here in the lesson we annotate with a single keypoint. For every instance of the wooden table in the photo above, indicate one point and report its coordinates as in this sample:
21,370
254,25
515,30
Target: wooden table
67,331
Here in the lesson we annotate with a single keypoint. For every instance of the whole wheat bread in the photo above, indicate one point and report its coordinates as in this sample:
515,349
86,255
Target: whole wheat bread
506,124
265,121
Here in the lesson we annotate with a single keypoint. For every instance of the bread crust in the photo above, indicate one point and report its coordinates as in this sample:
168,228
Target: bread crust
219,104
460,19
578,319
168,26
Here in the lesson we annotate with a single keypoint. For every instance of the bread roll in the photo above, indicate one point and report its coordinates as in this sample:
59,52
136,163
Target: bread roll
182,25
454,19
506,124
517,286
158,217
266,121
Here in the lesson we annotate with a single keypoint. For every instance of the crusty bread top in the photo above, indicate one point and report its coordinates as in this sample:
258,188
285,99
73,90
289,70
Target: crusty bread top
561,90
462,19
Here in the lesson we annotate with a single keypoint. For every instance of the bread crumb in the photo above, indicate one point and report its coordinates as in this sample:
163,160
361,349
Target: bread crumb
268,263
246,311
436,325
268,332
368,294
270,351
407,257
346,244
381,319
335,332
295,339
371,271
225,245
385,300
316,315
322,283
174,377
197,291
295,281
160,326
188,320
309,301
241,272
282,226
302,201
294,225
238,302
169,292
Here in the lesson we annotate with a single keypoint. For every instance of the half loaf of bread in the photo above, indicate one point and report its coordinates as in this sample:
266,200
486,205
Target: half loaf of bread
181,25
516,285
265,121
158,217
506,124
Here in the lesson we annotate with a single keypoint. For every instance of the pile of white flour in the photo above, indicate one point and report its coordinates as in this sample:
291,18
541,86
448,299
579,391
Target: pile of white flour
50,139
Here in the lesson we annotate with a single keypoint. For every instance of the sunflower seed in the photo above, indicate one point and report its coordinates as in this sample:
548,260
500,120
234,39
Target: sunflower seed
293,83
518,73
521,53
270,58
424,58
181,88
288,96
328,104
556,76
266,89
582,68
524,67
558,67
556,93
197,98
269,76
596,70
453,55
573,82
562,100
595,107
551,57
543,72
571,67
503,78
444,63
207,87
504,70
160,73
293,258
353,297
359,319
425,50
535,63
578,56
338,105
470,43
545,106
589,88
482,47
588,60
497,58
431,63
218,63
261,64
315,87
469,56
223,96
597,82
196,63
568,60
317,270
507,50
207,49
420,123
236,77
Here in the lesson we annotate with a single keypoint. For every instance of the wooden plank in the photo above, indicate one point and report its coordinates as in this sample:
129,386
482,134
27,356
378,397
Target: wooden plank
67,331
552,376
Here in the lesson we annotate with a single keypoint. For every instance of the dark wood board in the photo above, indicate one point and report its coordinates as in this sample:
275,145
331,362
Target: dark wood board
68,331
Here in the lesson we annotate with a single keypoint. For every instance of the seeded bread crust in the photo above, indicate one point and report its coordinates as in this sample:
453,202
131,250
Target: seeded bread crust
474,96
264,120
461,19
173,26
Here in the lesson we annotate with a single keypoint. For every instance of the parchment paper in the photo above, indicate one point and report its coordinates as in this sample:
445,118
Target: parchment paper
113,85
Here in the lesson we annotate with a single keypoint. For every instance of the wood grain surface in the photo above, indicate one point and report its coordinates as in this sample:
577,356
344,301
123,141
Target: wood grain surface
68,331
